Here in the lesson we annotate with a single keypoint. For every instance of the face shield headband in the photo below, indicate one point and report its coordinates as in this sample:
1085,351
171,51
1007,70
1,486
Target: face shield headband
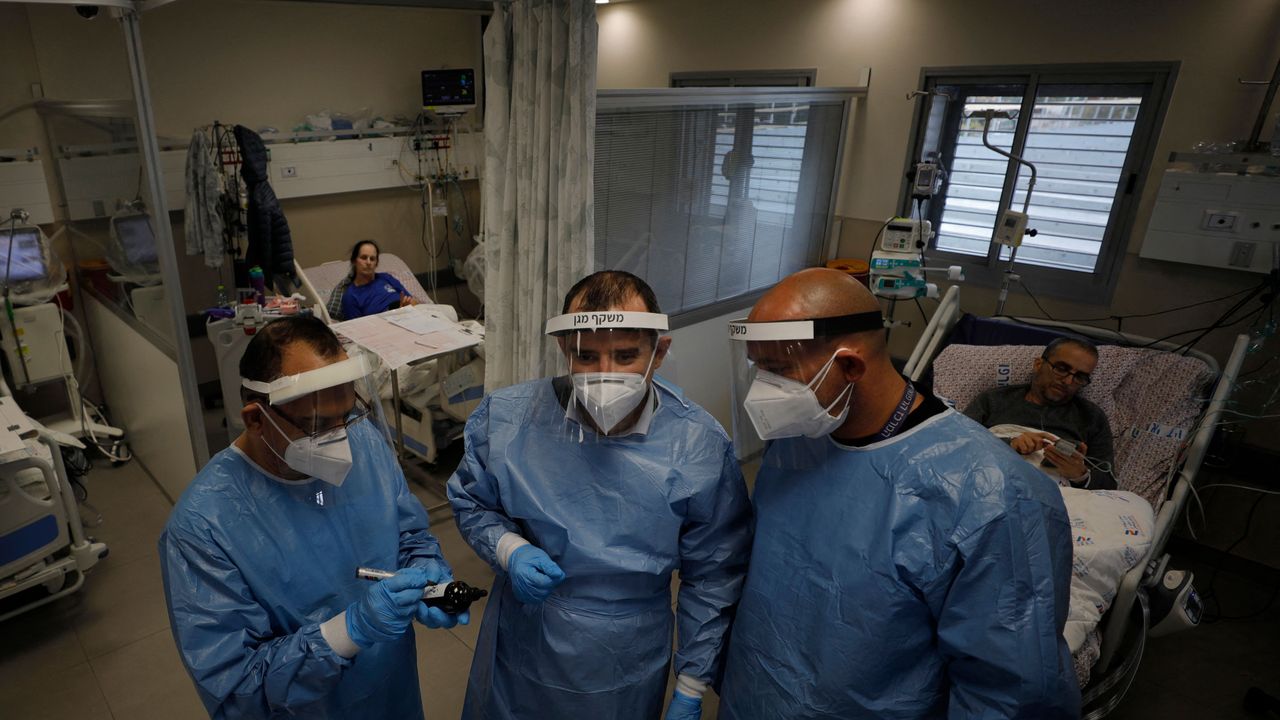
606,320
743,330
291,387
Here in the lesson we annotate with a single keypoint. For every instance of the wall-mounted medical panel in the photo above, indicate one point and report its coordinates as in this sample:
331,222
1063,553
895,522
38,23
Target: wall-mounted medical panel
339,166
94,182
23,186
94,177
1215,219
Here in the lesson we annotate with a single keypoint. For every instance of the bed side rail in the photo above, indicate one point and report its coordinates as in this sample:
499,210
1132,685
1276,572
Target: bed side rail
939,327
1118,617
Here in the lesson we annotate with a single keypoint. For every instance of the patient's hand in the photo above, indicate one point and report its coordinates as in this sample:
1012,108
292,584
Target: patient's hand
1029,442
1071,468
407,300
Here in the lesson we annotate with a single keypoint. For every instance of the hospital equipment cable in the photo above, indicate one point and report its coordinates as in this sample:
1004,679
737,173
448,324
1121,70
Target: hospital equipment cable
1224,321
466,214
78,465
81,346
1128,316
113,450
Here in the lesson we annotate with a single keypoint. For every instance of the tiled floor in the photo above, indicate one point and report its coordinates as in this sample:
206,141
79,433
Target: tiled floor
106,651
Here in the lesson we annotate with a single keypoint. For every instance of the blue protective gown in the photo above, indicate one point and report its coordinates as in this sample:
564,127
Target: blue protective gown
923,576
618,515
252,566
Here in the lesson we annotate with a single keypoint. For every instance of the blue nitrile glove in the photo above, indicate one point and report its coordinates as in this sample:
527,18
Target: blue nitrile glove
683,707
435,618
533,574
437,574
387,608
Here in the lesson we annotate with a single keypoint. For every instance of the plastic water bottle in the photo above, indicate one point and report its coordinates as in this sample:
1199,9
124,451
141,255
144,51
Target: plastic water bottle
258,280
221,299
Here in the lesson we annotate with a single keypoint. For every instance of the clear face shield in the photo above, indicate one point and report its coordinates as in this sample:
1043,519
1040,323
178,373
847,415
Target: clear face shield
311,415
785,379
609,357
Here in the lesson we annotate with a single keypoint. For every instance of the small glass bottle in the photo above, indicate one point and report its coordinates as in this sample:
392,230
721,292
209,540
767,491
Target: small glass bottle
221,299
454,598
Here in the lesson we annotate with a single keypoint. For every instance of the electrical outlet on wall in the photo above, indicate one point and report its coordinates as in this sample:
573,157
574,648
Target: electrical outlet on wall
1220,221
1242,254
289,171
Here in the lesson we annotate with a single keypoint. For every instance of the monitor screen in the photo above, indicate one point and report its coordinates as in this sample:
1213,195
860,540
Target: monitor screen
137,240
448,87
26,261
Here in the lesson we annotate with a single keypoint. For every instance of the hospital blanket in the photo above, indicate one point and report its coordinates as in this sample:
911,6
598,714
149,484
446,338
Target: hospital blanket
1111,531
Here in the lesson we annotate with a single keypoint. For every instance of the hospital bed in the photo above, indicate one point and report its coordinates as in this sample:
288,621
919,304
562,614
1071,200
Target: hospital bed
1163,409
42,540
445,389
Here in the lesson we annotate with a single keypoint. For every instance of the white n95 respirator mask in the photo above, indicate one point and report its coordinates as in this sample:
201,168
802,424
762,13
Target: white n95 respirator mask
609,397
326,456
780,407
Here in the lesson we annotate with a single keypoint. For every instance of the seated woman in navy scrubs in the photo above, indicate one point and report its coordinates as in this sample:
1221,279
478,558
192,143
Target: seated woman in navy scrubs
365,291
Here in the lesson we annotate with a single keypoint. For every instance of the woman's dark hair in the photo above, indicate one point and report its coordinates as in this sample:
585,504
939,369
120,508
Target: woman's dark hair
355,249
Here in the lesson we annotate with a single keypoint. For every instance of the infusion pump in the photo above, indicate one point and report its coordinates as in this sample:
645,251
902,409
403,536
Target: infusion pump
897,270
897,265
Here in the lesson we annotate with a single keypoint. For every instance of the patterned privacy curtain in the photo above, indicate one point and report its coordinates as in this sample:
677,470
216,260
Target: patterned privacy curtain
540,114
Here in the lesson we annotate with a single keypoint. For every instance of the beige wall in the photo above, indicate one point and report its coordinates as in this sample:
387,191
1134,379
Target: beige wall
642,42
261,64
17,73
255,63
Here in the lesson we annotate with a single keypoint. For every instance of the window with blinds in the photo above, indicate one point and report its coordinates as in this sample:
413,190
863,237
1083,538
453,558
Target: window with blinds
713,203
1090,133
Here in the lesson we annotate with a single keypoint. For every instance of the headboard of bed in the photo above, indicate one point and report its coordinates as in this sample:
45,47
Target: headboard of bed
975,330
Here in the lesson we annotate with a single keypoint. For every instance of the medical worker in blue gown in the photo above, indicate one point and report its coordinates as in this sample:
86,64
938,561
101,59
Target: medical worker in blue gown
585,493
906,563
260,553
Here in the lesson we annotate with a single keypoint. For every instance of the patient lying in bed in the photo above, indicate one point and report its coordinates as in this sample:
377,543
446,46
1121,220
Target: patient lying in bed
1033,418
365,291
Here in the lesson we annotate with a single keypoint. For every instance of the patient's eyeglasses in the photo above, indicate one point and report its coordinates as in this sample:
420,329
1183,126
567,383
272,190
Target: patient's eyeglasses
1064,370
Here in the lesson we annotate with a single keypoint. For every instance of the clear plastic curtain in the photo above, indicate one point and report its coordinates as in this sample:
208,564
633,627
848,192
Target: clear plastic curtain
539,219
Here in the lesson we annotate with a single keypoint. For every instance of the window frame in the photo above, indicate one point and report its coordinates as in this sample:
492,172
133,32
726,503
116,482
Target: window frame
701,96
1096,287
804,77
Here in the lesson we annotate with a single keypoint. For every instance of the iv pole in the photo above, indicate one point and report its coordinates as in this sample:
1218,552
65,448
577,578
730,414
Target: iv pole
1009,275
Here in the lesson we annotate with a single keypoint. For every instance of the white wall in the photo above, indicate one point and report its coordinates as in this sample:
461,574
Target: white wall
140,383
